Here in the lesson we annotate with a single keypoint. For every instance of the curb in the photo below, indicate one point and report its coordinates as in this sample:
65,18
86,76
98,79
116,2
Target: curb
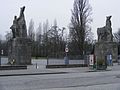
4,75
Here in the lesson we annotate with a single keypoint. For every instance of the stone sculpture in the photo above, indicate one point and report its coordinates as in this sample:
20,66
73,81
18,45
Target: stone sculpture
14,27
19,49
105,45
19,25
105,33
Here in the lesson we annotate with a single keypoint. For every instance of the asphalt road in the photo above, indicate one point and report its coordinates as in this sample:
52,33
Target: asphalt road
74,79
107,80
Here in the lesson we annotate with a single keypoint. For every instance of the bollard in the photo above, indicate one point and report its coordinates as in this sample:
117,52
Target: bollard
36,65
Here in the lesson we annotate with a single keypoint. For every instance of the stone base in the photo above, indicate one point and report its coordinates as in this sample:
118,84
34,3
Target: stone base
103,67
19,51
67,66
13,67
102,49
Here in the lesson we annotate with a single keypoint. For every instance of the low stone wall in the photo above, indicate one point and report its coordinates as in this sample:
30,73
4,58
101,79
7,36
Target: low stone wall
13,67
66,66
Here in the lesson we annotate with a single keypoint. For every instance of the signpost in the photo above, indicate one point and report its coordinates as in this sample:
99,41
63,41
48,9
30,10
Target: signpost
0,59
66,50
66,57
91,60
1,53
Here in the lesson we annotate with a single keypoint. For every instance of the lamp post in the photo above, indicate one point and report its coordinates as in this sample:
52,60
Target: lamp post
0,59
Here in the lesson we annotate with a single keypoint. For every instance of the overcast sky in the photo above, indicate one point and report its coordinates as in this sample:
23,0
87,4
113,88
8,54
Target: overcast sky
40,10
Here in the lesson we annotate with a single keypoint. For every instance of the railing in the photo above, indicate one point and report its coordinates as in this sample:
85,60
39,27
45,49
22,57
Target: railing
71,60
4,60
63,62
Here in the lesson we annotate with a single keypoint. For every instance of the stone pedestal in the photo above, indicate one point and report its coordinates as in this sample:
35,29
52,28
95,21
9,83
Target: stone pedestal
102,49
20,51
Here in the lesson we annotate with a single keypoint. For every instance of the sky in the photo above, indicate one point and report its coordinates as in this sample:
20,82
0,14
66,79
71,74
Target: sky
41,10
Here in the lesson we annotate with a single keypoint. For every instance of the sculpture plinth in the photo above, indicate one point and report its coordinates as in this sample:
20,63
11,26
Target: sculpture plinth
20,51
19,46
102,49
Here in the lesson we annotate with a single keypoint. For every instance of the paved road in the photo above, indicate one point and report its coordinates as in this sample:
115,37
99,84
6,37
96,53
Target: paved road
106,80
74,79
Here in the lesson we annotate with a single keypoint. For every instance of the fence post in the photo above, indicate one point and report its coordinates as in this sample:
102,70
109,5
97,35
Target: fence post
0,60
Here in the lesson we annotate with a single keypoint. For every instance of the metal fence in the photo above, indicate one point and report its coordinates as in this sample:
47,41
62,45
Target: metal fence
63,62
3,60
71,60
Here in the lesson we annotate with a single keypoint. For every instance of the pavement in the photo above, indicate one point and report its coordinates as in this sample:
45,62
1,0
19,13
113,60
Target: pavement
38,67
42,70
32,70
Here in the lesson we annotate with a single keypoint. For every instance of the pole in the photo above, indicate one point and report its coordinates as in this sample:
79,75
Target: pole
0,60
36,66
66,54
1,52
47,60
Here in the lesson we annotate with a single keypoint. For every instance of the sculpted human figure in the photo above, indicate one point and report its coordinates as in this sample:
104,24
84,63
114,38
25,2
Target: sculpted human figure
19,25
14,27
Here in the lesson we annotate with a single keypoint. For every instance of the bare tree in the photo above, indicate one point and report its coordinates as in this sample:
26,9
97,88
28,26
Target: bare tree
45,31
39,33
31,32
80,20
8,36
56,40
31,35
45,38
117,36
38,41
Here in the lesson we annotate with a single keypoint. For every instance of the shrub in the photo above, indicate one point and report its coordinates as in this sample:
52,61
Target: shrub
100,62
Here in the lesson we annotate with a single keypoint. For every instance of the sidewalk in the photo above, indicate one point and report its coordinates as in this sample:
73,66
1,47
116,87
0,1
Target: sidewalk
41,70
